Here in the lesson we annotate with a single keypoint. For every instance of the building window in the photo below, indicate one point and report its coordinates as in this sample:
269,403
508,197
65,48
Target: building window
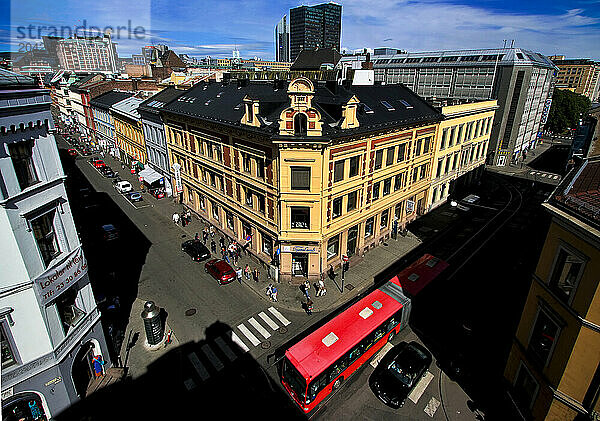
398,211
352,199
247,163
525,387
387,186
21,156
418,145
378,159
229,218
333,246
543,337
267,245
300,217
337,207
444,139
70,315
300,124
215,210
248,195
384,219
8,354
401,152
369,226
300,178
354,166
338,170
567,271
426,144
389,160
376,188
45,236
260,199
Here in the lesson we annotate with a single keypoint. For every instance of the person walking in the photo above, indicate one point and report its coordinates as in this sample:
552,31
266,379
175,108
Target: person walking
188,216
306,289
309,307
212,231
321,288
274,293
239,275
176,218
247,271
204,235
270,292
196,237
213,246
255,274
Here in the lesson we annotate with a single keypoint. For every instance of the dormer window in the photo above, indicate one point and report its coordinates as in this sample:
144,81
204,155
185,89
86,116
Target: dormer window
300,124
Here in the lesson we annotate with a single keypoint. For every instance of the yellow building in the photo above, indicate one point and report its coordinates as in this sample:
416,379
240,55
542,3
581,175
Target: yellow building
461,147
308,173
581,76
128,131
553,365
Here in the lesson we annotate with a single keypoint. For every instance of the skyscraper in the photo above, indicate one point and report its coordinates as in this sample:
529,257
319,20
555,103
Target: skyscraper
315,27
282,40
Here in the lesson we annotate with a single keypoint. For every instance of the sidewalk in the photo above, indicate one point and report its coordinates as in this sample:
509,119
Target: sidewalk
357,279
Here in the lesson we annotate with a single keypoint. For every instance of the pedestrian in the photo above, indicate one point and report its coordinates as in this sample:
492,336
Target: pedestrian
183,220
204,235
274,293
321,288
176,217
188,216
308,307
255,274
306,289
196,237
222,242
213,246
98,365
247,271
239,275
270,291
212,231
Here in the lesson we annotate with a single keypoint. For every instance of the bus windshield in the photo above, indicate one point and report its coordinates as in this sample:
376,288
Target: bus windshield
295,381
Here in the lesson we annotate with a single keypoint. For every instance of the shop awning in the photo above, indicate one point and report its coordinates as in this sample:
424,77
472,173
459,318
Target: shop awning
149,175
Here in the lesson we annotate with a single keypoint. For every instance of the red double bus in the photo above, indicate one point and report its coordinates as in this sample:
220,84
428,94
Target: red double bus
320,362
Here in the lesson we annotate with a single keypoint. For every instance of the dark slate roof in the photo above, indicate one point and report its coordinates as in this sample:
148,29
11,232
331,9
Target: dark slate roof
10,79
110,98
222,103
75,87
160,99
313,59
579,192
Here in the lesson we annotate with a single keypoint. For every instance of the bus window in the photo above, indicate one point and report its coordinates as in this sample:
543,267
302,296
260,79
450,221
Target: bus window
316,386
355,353
394,320
295,381
337,368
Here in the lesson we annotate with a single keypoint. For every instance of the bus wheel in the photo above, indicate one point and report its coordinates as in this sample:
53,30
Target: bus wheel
337,383
392,334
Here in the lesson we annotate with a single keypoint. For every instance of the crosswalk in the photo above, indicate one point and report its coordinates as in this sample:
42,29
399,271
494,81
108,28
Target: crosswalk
214,355
549,176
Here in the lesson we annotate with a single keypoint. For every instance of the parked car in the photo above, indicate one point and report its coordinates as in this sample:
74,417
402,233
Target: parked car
220,270
135,196
195,249
123,186
398,373
98,163
85,151
108,172
110,232
72,152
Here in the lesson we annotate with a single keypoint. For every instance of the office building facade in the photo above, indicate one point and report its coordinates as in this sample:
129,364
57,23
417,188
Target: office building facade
282,40
581,76
88,54
313,27
521,81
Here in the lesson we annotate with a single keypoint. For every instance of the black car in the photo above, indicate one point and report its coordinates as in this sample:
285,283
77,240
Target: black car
195,249
398,373
107,172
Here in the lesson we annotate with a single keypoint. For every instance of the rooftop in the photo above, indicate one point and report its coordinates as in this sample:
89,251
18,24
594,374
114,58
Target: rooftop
109,99
10,80
128,107
160,99
579,192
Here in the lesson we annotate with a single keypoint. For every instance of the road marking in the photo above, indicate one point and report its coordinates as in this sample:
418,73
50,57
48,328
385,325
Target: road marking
279,316
268,320
214,360
236,340
419,389
189,384
259,327
225,348
431,407
375,362
198,366
248,334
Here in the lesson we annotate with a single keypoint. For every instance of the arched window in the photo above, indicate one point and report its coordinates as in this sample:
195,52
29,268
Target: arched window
300,124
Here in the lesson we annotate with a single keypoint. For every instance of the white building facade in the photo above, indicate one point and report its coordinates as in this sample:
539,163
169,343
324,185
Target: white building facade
49,321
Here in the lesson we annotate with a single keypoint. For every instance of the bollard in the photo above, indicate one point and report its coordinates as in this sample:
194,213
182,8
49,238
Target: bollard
152,323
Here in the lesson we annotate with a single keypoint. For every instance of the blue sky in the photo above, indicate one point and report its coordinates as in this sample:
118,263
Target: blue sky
201,28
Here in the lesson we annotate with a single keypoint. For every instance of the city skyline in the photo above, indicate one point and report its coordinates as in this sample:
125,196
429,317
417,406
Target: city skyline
198,30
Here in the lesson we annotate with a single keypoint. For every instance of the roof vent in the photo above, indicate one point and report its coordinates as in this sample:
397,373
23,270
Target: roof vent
330,339
365,312
431,263
377,305
413,277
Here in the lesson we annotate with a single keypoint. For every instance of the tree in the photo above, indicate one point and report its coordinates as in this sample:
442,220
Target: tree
566,110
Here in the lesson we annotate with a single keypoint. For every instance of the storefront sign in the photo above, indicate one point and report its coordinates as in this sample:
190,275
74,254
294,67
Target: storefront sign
177,176
59,278
300,249
410,206
54,381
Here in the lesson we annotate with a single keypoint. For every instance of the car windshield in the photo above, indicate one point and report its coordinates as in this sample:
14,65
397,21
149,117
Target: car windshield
294,380
401,373
229,272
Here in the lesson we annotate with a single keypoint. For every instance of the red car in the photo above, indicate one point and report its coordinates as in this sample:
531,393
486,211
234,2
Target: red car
99,163
220,270
72,152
